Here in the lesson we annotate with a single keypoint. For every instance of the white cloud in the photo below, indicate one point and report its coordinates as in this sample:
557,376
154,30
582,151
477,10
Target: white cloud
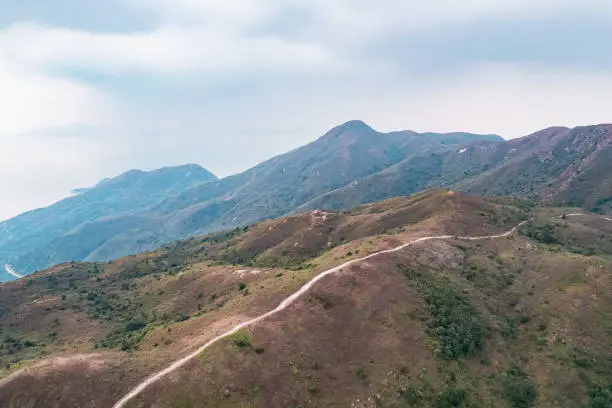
32,100
166,49
359,19
509,99
228,14
36,171
227,83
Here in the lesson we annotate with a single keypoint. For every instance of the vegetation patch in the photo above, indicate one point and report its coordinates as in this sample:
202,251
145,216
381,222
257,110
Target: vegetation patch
545,234
601,397
519,390
453,321
11,345
125,339
241,339
451,399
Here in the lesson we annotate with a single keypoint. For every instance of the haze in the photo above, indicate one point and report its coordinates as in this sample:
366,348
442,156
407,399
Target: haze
91,89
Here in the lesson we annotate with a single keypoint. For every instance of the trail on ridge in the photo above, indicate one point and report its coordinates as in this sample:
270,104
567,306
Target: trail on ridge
137,390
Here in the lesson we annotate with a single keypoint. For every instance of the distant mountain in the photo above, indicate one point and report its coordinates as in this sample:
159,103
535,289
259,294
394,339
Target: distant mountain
129,192
347,153
351,164
556,165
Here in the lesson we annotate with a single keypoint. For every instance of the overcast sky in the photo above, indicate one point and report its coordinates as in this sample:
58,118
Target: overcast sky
93,88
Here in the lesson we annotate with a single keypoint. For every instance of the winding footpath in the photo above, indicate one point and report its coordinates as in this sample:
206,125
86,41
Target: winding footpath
588,215
286,303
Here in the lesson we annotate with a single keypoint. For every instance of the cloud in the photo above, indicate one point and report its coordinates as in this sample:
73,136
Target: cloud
510,99
227,84
166,49
32,100
36,170
359,19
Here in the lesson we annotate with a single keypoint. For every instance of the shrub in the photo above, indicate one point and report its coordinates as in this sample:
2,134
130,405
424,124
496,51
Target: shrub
601,397
242,340
519,390
181,318
412,396
451,399
541,233
454,321
135,324
242,286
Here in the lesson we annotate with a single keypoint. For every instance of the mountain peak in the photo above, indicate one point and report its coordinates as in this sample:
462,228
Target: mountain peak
355,125
352,127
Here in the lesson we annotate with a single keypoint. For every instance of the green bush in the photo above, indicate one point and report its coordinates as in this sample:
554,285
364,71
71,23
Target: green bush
601,397
412,396
519,390
453,320
124,340
242,340
451,399
135,324
541,233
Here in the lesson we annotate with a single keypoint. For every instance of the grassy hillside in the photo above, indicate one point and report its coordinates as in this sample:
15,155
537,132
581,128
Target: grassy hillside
557,165
98,328
516,322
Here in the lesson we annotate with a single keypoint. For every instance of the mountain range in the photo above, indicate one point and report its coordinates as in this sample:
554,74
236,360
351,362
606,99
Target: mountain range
350,165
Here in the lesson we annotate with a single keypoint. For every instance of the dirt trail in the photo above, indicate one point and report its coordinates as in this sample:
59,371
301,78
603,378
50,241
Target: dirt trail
286,303
588,215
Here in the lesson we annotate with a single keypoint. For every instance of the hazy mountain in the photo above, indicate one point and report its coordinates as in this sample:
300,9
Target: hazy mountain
556,165
124,194
350,165
276,187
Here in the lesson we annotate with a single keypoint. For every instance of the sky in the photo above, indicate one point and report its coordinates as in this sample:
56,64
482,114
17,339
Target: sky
91,89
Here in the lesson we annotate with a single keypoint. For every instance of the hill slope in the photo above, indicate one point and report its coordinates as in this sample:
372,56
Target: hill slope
126,193
350,165
521,321
560,165
274,188
556,165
